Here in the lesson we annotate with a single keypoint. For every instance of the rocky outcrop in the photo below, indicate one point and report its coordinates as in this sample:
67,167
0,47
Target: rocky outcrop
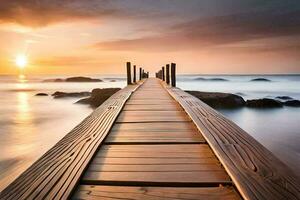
284,98
58,94
210,79
260,80
41,94
263,103
74,79
82,79
98,96
292,103
218,99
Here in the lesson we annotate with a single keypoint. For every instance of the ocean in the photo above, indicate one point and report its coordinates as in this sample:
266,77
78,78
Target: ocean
30,125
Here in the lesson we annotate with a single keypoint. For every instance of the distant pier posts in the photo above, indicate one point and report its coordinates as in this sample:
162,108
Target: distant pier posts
128,65
142,74
164,74
173,74
168,74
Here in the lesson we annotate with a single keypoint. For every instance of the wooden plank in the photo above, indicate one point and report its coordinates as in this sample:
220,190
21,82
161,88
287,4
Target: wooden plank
156,164
93,192
255,171
155,161
152,116
150,102
56,173
158,178
154,133
191,148
156,168
155,127
147,107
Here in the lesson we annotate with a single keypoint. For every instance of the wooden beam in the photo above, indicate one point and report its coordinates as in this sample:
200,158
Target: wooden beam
140,73
128,65
56,173
134,73
163,73
255,171
168,74
173,74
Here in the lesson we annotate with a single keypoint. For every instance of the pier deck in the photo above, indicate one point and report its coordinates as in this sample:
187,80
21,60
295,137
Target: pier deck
154,143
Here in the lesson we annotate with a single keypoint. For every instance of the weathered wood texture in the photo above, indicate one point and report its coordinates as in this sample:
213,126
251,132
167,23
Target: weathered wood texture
128,170
56,173
93,192
154,133
255,171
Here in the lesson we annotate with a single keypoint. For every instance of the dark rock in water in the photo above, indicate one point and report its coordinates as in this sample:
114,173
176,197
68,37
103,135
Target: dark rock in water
74,79
220,100
82,79
58,94
261,79
292,103
41,94
210,79
54,80
217,79
284,98
263,103
98,96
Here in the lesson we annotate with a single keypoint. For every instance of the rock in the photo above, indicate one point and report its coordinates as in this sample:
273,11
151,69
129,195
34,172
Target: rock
98,96
292,103
263,103
58,94
54,80
210,79
220,100
284,98
82,79
261,80
74,79
41,94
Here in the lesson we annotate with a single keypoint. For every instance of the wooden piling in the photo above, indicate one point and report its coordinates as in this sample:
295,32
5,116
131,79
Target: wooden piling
173,74
140,73
128,64
163,73
134,73
168,74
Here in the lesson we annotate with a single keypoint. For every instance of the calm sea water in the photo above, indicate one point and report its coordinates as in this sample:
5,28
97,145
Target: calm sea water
30,125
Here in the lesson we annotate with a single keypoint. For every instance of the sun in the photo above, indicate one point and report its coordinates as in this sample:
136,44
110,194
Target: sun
21,61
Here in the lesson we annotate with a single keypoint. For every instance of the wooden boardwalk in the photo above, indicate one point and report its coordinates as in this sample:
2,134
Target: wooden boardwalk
153,141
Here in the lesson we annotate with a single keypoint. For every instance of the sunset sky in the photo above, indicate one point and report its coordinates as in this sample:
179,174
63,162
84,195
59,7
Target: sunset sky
201,36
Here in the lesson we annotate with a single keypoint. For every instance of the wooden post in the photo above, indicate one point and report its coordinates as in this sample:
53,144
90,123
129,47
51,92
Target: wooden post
128,73
143,73
163,73
173,74
140,73
134,73
168,74
147,74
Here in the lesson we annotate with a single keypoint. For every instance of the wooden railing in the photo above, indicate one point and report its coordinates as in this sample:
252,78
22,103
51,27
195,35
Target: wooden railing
142,74
164,74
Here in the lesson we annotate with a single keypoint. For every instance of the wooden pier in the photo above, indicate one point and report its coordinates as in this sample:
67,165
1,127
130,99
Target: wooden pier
154,141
